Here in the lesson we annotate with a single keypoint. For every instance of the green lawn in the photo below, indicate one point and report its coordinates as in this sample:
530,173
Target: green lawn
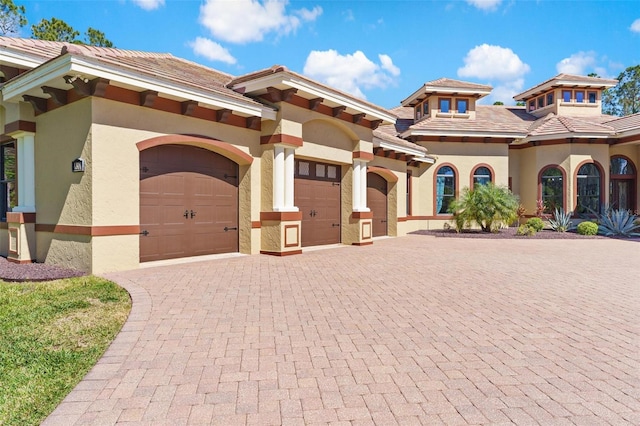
51,334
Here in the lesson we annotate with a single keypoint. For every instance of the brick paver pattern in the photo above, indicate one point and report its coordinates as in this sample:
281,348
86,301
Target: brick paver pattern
413,330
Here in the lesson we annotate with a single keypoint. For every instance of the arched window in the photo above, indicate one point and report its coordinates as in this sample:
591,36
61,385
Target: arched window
589,191
622,183
445,189
481,176
552,189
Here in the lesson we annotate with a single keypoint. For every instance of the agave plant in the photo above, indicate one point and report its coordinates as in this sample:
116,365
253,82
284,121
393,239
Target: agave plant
561,221
619,223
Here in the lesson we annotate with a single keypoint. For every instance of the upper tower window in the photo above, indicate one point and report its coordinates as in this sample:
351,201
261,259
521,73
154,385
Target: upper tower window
593,96
549,98
445,105
579,96
566,95
462,106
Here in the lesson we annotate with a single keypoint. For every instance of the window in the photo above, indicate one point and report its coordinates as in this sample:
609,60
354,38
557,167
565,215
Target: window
593,97
540,101
566,95
425,108
462,105
551,189
532,105
579,96
481,176
622,184
445,105
588,189
418,112
445,189
409,193
550,98
7,179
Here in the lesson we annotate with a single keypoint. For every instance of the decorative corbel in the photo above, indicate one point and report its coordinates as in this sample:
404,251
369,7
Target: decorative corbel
357,118
315,103
338,110
187,107
147,98
39,104
253,123
59,96
222,115
374,124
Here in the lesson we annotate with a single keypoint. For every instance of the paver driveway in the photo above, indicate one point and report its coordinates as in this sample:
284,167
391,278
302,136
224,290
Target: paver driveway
413,330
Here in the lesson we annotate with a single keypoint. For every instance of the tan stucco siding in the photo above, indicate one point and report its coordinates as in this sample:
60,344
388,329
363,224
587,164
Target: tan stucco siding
63,135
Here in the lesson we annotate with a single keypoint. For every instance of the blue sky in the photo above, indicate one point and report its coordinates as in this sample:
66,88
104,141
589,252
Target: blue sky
378,50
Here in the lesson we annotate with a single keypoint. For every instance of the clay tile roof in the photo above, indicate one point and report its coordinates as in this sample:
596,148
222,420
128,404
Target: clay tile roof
387,133
623,124
553,125
449,83
157,66
39,48
489,119
578,80
276,69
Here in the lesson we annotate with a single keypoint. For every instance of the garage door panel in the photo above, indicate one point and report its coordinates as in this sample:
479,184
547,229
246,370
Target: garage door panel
317,196
184,178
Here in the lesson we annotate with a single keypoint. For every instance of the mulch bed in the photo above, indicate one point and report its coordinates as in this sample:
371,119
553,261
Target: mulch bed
10,271
510,233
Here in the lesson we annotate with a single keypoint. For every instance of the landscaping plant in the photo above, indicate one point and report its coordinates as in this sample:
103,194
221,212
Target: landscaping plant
525,230
587,228
619,223
561,220
489,206
535,223
51,334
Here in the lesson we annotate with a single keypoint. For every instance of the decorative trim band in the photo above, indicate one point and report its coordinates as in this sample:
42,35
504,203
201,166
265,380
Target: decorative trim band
281,253
280,216
93,231
362,215
281,138
363,155
20,217
20,126
256,224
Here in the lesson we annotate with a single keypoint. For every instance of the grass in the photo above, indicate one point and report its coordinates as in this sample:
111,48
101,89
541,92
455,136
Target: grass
51,334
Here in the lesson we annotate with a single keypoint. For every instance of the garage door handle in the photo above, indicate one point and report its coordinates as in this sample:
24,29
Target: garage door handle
230,229
193,214
145,233
335,224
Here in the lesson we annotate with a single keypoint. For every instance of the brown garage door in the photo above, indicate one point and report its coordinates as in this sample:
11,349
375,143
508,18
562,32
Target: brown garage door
317,195
377,202
188,203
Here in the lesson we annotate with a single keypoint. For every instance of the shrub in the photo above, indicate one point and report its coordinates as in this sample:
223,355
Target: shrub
535,223
618,223
488,205
525,230
587,228
561,221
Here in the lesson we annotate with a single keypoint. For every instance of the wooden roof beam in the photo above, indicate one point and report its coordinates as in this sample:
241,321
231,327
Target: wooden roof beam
39,104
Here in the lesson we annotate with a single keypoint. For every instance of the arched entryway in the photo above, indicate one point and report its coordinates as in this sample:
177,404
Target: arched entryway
622,183
188,202
377,191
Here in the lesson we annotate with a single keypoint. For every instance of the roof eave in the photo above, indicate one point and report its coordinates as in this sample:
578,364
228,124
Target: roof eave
62,65
606,83
457,133
307,86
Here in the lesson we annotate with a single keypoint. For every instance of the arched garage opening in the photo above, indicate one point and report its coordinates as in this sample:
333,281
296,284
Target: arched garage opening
188,201
377,201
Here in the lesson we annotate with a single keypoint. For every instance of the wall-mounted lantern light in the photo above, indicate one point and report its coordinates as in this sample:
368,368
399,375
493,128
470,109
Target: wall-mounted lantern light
77,165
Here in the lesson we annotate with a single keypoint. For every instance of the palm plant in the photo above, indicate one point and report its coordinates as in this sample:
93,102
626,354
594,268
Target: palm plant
489,206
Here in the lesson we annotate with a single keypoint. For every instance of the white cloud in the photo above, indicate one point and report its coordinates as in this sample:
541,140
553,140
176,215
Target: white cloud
348,15
149,4
578,63
635,27
493,62
500,66
487,5
243,21
351,72
387,65
211,50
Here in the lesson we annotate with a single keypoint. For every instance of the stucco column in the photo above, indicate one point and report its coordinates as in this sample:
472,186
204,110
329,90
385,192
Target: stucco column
360,186
283,174
25,146
289,179
278,178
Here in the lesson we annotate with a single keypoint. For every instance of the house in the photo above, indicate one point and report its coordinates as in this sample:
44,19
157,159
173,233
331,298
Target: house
112,158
